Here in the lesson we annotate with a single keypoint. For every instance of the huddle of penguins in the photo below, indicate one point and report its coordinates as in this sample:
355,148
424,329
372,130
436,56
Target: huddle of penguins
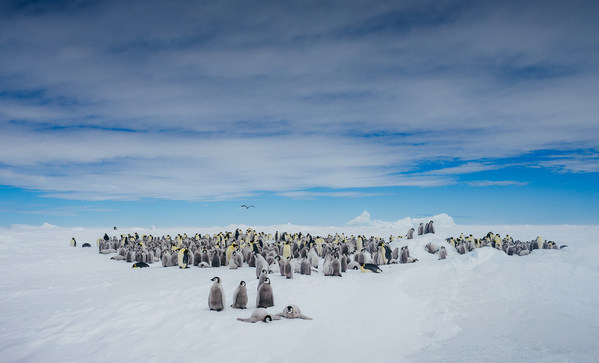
506,244
286,254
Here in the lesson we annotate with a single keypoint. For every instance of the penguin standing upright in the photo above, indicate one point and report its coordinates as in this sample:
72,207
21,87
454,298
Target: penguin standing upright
288,267
286,250
216,299
183,258
240,296
73,242
265,298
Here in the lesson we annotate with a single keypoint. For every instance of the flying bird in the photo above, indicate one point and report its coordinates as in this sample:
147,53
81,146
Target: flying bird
247,206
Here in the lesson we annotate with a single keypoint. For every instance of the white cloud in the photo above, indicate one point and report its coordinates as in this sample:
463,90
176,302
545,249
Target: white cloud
229,103
486,183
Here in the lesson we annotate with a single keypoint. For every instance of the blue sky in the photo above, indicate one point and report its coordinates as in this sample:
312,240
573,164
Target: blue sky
176,113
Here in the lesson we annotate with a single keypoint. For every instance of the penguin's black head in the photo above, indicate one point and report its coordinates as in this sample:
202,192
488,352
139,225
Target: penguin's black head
242,283
267,280
215,279
267,318
290,309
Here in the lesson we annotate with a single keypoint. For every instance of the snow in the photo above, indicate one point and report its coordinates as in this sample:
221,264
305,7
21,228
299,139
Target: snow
59,303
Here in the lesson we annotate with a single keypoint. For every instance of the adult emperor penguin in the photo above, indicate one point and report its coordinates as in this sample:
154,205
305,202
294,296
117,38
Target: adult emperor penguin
240,296
265,298
293,312
229,252
260,315
286,250
73,242
216,299
183,258
140,265
370,267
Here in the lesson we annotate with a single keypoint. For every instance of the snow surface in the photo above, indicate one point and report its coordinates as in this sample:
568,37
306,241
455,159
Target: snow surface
63,304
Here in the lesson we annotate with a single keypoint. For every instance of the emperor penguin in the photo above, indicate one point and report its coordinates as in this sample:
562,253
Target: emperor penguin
260,315
288,268
313,256
240,296
263,276
205,257
305,268
442,253
216,299
336,267
421,229
293,312
183,258
539,243
215,261
404,255
265,298
235,261
73,242
370,267
410,234
140,265
359,243
229,252
286,250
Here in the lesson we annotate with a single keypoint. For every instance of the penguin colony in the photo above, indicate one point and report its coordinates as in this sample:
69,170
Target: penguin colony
506,244
286,254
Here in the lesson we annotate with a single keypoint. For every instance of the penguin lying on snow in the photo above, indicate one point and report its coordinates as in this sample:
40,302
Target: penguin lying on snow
293,312
370,267
140,265
260,314
86,245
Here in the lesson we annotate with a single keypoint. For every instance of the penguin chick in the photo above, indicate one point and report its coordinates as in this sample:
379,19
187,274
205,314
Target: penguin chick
240,296
265,298
260,315
293,312
288,268
216,299
442,253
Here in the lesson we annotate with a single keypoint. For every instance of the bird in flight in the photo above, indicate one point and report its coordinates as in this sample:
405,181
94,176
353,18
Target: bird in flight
247,206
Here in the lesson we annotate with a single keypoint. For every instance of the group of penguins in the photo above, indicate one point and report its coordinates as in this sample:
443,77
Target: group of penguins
287,254
264,299
282,253
506,244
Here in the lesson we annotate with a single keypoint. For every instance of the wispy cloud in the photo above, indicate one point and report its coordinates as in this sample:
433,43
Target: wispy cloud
486,183
187,100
